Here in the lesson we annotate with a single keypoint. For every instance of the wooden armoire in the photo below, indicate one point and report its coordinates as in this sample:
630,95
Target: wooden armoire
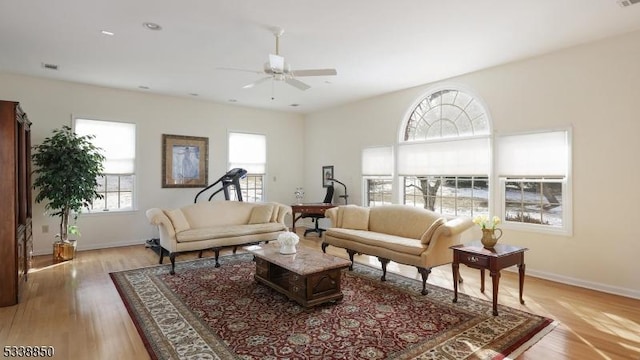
16,239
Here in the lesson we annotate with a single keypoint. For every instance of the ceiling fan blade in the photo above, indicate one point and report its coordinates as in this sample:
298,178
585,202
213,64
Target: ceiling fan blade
237,69
276,63
260,81
297,83
315,72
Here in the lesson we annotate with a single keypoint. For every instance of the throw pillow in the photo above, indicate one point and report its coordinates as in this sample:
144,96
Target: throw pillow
426,237
274,215
261,214
178,220
355,217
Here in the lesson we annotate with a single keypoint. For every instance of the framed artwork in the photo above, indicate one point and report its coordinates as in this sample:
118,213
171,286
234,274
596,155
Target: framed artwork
327,173
185,161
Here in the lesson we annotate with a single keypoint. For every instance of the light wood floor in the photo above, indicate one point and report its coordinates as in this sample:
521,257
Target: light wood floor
75,308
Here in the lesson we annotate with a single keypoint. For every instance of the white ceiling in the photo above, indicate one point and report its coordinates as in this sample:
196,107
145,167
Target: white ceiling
376,46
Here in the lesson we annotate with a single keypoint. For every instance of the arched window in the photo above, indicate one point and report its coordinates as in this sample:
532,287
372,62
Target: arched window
444,154
446,114
444,159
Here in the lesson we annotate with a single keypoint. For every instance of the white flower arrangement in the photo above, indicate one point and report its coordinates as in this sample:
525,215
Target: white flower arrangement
485,223
288,241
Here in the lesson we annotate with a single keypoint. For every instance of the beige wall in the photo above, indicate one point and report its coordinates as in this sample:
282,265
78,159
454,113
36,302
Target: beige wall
593,88
51,104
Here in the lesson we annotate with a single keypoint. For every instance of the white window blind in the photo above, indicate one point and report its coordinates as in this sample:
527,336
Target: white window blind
248,151
539,154
377,161
117,141
452,157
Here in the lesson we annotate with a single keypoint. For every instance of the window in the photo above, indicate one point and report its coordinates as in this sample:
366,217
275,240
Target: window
377,171
251,188
534,201
118,143
444,114
378,191
444,154
534,170
249,151
451,195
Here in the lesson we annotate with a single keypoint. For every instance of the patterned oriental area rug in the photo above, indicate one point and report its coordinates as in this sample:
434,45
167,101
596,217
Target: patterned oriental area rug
203,312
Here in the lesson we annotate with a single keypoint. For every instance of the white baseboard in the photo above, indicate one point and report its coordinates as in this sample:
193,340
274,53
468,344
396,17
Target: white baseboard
615,290
635,294
83,247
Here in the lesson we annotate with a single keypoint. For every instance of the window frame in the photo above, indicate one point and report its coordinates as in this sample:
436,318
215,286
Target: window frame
496,181
244,182
365,189
244,188
119,192
567,215
566,181
439,196
134,180
377,163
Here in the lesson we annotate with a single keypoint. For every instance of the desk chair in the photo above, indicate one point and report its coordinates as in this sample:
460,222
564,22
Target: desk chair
328,199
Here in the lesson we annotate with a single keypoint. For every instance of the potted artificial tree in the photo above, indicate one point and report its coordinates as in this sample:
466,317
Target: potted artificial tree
66,170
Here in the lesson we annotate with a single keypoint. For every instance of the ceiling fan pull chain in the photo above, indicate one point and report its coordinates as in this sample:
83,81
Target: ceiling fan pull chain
273,92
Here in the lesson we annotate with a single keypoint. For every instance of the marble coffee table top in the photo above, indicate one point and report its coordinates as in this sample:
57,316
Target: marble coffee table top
304,262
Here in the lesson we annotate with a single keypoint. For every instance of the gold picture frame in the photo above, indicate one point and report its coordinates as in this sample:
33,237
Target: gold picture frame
185,161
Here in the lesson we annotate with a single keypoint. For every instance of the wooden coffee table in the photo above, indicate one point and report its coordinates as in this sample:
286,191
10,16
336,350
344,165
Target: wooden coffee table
309,277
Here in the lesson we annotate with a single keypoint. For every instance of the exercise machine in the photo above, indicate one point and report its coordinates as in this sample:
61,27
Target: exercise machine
231,178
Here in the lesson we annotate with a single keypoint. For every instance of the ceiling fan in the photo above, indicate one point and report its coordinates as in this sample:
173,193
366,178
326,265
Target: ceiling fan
277,69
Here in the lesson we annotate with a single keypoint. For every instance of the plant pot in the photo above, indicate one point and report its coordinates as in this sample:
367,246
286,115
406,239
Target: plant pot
489,238
64,250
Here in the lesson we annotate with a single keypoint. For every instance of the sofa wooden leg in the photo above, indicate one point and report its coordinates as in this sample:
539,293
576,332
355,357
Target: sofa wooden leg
200,254
235,248
351,255
217,254
324,247
161,255
384,263
425,274
172,257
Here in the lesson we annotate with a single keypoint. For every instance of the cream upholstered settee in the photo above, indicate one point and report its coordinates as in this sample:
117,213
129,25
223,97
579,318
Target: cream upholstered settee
216,224
404,234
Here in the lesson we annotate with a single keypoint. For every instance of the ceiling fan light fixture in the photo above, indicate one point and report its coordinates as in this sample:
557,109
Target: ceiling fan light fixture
278,70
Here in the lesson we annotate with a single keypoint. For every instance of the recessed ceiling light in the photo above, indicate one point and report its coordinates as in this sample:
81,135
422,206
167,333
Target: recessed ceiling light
143,87
152,26
194,94
294,105
233,100
105,32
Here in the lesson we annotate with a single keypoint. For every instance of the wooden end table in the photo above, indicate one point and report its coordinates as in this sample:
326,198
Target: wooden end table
476,256
309,277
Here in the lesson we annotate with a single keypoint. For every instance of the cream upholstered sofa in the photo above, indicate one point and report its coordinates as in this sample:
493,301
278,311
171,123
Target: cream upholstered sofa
404,234
216,224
